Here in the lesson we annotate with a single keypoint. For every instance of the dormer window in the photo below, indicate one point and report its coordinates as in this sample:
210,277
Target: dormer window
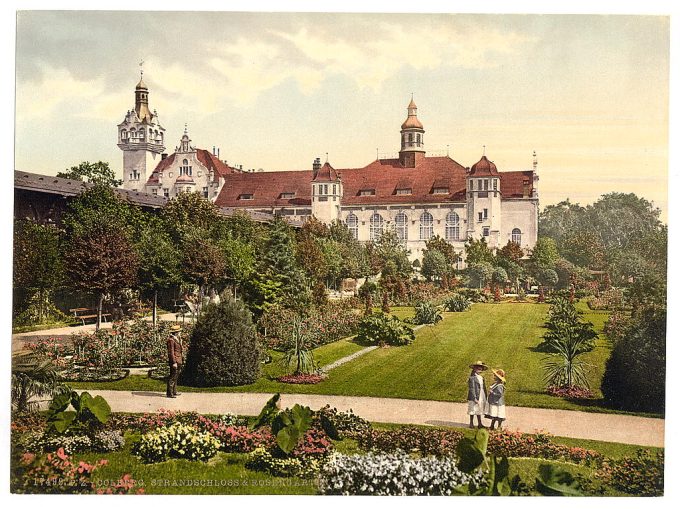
367,192
245,196
440,190
287,196
403,191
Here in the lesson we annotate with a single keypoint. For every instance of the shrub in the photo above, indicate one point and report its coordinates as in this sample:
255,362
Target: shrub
383,329
641,475
263,461
347,424
392,474
410,438
457,303
37,441
635,373
609,299
176,441
617,326
474,295
426,313
224,349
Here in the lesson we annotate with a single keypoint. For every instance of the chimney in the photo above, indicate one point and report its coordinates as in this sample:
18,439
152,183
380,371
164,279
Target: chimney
218,152
213,149
316,166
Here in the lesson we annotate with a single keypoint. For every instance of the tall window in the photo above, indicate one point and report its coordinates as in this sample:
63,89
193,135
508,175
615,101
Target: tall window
452,226
353,225
517,236
376,226
401,225
426,226
185,169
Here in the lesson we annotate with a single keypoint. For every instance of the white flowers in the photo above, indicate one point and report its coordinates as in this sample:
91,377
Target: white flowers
391,474
176,441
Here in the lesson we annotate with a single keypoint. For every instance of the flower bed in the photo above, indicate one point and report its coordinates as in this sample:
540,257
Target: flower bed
262,460
392,474
348,424
85,374
176,441
302,378
641,475
570,392
410,438
235,438
514,444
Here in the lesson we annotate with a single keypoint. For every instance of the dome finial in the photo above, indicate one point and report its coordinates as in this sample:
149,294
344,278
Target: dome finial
141,69
483,150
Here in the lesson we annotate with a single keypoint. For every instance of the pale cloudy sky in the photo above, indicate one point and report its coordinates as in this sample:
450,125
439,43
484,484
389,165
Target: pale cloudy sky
588,93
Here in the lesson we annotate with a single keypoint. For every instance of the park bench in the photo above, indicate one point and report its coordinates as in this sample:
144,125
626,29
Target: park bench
83,314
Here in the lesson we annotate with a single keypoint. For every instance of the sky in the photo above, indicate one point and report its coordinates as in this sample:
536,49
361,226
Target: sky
588,93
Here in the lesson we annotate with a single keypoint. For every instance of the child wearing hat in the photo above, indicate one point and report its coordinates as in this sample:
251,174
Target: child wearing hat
495,408
476,393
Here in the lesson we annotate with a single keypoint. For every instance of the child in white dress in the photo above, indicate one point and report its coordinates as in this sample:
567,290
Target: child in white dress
495,407
476,393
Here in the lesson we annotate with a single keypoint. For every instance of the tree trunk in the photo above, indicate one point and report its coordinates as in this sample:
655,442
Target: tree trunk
99,310
155,306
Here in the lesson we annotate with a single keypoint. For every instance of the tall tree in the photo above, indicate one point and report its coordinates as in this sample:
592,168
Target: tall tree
188,211
478,251
202,262
101,260
96,173
159,260
545,254
37,267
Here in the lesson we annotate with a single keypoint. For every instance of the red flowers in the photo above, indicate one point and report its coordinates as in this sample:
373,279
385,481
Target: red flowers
301,378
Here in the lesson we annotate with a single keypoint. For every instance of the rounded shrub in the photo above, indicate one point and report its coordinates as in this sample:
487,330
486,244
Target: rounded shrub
224,347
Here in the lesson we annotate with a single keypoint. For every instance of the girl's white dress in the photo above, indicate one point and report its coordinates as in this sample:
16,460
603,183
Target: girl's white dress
497,411
475,408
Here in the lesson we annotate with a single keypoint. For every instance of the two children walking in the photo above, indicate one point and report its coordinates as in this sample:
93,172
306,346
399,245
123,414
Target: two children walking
479,404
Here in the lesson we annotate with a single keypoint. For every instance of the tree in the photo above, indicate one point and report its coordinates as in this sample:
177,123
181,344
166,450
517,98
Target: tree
188,211
239,260
480,274
437,243
435,265
499,277
477,251
224,349
202,262
635,374
547,277
159,261
37,268
511,252
102,261
545,254
96,173
389,248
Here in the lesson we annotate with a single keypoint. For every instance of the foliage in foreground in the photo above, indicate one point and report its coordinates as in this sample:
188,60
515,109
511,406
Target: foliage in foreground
642,474
427,314
176,441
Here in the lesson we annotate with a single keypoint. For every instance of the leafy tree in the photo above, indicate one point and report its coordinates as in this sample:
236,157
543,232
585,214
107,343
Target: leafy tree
38,268
585,249
96,173
435,265
499,276
239,260
389,248
477,251
102,261
202,261
545,254
512,252
159,261
189,211
635,374
224,349
556,221
437,243
480,274
547,277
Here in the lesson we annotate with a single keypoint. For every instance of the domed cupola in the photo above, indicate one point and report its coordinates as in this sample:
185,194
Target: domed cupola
483,168
412,138
142,102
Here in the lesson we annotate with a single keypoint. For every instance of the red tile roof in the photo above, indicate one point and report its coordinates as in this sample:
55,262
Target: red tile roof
326,174
384,176
483,167
206,158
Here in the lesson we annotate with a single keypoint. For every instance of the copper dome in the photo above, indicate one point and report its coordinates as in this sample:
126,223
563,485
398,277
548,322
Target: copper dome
483,167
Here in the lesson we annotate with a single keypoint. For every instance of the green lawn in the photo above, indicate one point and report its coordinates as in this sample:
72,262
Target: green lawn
435,366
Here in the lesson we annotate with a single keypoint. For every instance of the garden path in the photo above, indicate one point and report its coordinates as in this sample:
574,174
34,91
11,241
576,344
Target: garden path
619,428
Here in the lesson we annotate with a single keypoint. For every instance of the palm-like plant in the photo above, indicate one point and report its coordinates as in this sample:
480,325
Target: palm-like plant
32,377
564,368
299,354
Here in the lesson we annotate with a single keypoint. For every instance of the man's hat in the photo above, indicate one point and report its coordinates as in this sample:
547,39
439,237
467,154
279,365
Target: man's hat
176,328
479,364
500,374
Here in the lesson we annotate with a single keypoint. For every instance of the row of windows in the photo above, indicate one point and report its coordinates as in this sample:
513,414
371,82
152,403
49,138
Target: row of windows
451,230
166,191
322,189
411,139
483,184
376,226
133,133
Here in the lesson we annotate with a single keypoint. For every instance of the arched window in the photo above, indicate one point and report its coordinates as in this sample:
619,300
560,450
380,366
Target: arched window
401,226
376,226
185,169
123,133
353,225
517,236
426,226
452,226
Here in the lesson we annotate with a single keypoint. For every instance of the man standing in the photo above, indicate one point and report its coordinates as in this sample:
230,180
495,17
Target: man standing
174,360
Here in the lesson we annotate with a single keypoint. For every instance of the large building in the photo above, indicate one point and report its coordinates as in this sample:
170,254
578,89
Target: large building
416,195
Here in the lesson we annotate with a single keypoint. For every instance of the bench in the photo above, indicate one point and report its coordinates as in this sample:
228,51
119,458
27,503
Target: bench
83,314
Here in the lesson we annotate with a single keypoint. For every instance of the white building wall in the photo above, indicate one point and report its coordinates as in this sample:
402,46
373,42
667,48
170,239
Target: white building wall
141,162
520,213
200,175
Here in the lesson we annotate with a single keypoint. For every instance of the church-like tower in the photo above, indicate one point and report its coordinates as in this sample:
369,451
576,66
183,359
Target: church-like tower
412,138
483,184
140,137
